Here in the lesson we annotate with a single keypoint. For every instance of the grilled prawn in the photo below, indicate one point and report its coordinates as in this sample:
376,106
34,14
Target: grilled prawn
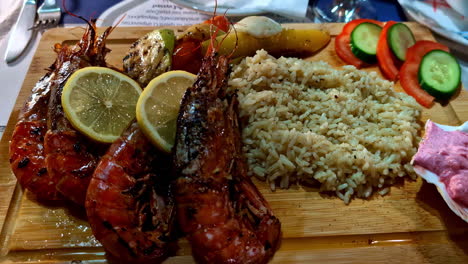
70,156
27,157
225,217
129,201
45,156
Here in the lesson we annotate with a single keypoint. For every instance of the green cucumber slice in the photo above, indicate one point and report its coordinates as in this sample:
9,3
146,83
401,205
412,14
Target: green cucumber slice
400,38
439,74
364,39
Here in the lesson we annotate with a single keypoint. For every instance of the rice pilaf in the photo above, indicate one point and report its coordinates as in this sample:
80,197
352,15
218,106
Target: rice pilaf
305,122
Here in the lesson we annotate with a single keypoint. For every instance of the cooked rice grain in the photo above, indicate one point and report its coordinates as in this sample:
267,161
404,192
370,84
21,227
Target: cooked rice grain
306,121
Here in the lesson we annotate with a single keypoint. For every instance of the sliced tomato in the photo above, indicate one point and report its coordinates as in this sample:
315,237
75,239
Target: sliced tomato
343,42
187,56
410,83
343,50
219,21
349,27
387,61
409,71
420,48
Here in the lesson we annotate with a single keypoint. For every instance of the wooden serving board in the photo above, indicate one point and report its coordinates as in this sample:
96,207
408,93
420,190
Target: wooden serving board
411,224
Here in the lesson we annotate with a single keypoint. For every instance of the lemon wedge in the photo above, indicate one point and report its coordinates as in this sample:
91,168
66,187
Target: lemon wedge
100,102
158,107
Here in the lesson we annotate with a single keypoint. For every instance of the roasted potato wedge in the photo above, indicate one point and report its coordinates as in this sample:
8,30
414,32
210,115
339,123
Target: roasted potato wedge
288,41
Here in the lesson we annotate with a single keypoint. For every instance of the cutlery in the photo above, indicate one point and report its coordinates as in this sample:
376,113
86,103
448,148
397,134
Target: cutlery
48,14
22,31
464,34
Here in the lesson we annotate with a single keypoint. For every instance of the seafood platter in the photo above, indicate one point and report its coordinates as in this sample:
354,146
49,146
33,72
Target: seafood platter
252,142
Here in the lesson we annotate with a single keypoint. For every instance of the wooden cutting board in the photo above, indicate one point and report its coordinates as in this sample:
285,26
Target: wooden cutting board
411,224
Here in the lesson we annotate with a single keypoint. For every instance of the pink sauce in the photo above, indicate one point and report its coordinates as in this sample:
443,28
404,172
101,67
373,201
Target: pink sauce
446,154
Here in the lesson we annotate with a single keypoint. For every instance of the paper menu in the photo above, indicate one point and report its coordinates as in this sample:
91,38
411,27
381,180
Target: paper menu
161,12
164,13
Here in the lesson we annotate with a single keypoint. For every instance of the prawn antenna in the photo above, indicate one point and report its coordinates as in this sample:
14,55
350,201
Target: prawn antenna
189,51
214,12
212,32
118,23
237,41
225,36
80,17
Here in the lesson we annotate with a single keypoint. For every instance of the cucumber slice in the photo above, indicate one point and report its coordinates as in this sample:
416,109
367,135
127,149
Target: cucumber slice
364,40
439,74
400,38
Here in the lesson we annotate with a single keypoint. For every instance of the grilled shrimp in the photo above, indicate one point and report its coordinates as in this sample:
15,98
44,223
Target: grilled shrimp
129,203
26,151
32,148
225,217
70,156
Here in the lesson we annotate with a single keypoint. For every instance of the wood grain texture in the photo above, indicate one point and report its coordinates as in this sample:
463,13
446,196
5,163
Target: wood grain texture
412,223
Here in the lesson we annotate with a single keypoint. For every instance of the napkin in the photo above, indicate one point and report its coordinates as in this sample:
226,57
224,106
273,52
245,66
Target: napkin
290,8
440,18
9,11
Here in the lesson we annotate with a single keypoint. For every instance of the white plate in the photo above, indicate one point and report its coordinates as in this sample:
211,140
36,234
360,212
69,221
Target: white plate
111,15
221,9
443,20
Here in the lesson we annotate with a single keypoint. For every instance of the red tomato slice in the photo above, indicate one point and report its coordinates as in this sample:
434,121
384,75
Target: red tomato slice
343,42
409,71
410,83
420,48
219,21
343,50
349,27
385,56
187,56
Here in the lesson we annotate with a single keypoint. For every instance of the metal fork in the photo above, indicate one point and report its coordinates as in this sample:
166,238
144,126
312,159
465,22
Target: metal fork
464,34
48,14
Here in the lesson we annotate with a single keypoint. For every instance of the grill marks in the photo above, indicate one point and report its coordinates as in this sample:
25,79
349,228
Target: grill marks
147,58
23,163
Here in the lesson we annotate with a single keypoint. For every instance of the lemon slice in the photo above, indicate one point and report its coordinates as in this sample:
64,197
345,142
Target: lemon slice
100,102
158,107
